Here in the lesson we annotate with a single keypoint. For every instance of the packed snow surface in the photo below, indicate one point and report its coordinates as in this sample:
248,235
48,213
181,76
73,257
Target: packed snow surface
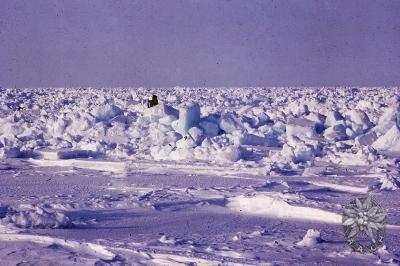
221,176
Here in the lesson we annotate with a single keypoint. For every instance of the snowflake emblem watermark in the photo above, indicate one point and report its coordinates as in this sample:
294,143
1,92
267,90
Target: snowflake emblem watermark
363,224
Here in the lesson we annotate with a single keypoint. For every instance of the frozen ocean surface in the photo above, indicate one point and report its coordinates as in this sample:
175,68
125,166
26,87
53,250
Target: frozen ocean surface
221,176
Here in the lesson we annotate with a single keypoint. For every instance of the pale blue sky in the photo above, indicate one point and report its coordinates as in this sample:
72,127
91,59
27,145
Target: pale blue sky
199,43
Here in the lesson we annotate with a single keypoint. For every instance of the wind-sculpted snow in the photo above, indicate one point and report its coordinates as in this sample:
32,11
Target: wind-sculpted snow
277,206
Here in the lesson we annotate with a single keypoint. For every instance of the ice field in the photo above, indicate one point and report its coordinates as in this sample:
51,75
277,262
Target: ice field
209,176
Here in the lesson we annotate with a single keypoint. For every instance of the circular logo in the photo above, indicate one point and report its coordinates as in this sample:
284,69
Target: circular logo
363,224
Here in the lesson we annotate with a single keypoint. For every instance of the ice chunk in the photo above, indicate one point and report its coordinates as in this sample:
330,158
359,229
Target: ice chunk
161,110
172,137
167,240
332,118
279,128
164,127
316,117
98,131
116,134
186,143
298,109
303,153
335,132
301,127
367,154
189,116
230,122
197,135
366,139
106,112
210,129
161,153
365,104
155,135
31,216
93,146
287,153
228,154
311,238
389,142
80,122
9,128
119,119
388,119
359,118
296,151
57,128
251,139
387,182
168,119
350,133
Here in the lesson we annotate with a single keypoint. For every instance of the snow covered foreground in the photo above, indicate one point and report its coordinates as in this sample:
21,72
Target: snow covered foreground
209,176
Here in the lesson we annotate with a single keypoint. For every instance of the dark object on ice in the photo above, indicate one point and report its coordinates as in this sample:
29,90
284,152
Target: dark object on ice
152,102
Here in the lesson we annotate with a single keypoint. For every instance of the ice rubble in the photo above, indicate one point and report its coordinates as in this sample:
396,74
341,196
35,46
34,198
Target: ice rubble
33,216
388,182
222,125
311,238
390,141
100,127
